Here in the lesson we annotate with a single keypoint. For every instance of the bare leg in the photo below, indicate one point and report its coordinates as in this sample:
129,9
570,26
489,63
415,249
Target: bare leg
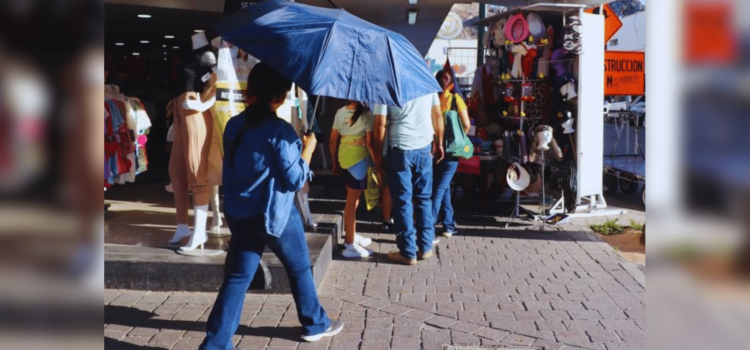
350,214
385,196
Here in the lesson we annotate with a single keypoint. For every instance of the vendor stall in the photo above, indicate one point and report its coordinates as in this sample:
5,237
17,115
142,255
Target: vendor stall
537,105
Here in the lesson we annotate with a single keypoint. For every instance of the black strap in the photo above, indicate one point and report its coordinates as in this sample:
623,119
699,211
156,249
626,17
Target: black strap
453,103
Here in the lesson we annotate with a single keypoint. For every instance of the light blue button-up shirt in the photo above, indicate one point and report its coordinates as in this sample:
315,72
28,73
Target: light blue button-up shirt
268,170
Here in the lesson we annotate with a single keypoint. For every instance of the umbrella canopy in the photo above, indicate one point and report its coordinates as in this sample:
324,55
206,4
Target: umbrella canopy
330,52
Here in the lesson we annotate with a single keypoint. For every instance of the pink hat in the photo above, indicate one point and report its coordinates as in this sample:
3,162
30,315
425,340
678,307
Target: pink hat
517,28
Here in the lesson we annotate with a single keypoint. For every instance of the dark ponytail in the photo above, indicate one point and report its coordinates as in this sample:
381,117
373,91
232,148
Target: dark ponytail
266,85
358,112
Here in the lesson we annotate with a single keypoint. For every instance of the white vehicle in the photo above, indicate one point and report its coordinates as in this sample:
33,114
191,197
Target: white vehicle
616,105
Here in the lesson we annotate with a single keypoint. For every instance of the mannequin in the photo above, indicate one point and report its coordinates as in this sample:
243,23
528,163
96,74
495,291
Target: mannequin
188,165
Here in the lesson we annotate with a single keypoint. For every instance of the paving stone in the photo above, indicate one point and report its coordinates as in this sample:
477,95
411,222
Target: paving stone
474,316
492,334
440,321
521,327
585,315
143,332
401,343
516,339
528,315
583,325
620,325
511,306
116,335
494,315
418,315
630,335
548,345
395,309
249,342
577,338
466,327
165,339
434,339
537,305
550,325
602,335
623,346
137,341
187,344
458,337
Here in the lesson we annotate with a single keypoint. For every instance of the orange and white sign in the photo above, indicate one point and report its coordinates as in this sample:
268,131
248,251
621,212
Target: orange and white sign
624,73
612,22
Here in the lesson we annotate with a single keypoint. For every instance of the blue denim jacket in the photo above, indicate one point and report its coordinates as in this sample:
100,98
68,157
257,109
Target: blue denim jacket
268,170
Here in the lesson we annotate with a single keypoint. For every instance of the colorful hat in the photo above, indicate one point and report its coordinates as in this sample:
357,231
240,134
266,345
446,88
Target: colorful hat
517,29
498,29
536,26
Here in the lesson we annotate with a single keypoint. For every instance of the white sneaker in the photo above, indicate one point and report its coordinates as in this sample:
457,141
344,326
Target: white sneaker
335,328
361,240
436,241
355,251
449,233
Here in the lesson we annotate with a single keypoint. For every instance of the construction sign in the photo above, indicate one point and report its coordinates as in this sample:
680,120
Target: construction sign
612,22
624,73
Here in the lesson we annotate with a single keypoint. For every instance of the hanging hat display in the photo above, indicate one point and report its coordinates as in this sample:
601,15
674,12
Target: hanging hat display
516,29
536,26
517,177
498,32
572,37
568,126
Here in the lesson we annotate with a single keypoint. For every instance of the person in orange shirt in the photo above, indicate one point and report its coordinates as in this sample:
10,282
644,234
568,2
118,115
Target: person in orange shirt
443,172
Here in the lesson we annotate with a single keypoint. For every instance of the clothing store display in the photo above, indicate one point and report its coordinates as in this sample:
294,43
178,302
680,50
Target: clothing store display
182,232
216,222
199,237
126,125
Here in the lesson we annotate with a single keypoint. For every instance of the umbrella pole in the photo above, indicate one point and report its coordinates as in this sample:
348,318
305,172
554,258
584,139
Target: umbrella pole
312,120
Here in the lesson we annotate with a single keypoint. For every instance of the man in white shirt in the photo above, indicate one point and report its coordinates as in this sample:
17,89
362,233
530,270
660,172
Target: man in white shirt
411,132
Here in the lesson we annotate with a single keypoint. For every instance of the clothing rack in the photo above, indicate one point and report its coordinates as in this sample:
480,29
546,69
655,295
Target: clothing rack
126,125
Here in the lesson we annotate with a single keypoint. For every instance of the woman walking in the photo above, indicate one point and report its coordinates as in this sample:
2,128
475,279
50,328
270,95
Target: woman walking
352,151
443,172
265,164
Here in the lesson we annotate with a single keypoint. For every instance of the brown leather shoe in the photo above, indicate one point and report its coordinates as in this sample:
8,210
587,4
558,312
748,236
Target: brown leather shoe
424,256
396,256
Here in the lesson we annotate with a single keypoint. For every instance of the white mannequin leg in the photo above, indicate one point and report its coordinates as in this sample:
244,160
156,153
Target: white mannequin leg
183,231
216,221
199,229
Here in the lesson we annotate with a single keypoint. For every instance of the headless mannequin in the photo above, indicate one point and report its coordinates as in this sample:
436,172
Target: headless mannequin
188,166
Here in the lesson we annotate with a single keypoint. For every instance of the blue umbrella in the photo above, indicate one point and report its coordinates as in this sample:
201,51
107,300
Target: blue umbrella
330,52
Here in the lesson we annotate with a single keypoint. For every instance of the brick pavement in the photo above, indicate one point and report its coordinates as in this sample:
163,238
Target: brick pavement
486,286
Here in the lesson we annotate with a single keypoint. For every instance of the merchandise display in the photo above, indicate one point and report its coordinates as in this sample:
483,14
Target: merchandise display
126,128
525,101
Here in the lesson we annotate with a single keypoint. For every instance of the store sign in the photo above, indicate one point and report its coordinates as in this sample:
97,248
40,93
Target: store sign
624,73
612,22
232,6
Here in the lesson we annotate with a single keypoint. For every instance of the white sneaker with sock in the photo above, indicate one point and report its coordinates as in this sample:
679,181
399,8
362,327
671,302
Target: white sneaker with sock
355,251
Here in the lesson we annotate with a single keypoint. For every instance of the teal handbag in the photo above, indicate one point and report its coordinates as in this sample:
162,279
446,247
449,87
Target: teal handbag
456,141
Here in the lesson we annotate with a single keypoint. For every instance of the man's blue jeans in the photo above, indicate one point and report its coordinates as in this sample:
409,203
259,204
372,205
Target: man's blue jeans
249,238
441,193
410,178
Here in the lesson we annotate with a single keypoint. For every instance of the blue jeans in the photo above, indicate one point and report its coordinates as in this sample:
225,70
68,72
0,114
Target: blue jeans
249,238
441,193
410,178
